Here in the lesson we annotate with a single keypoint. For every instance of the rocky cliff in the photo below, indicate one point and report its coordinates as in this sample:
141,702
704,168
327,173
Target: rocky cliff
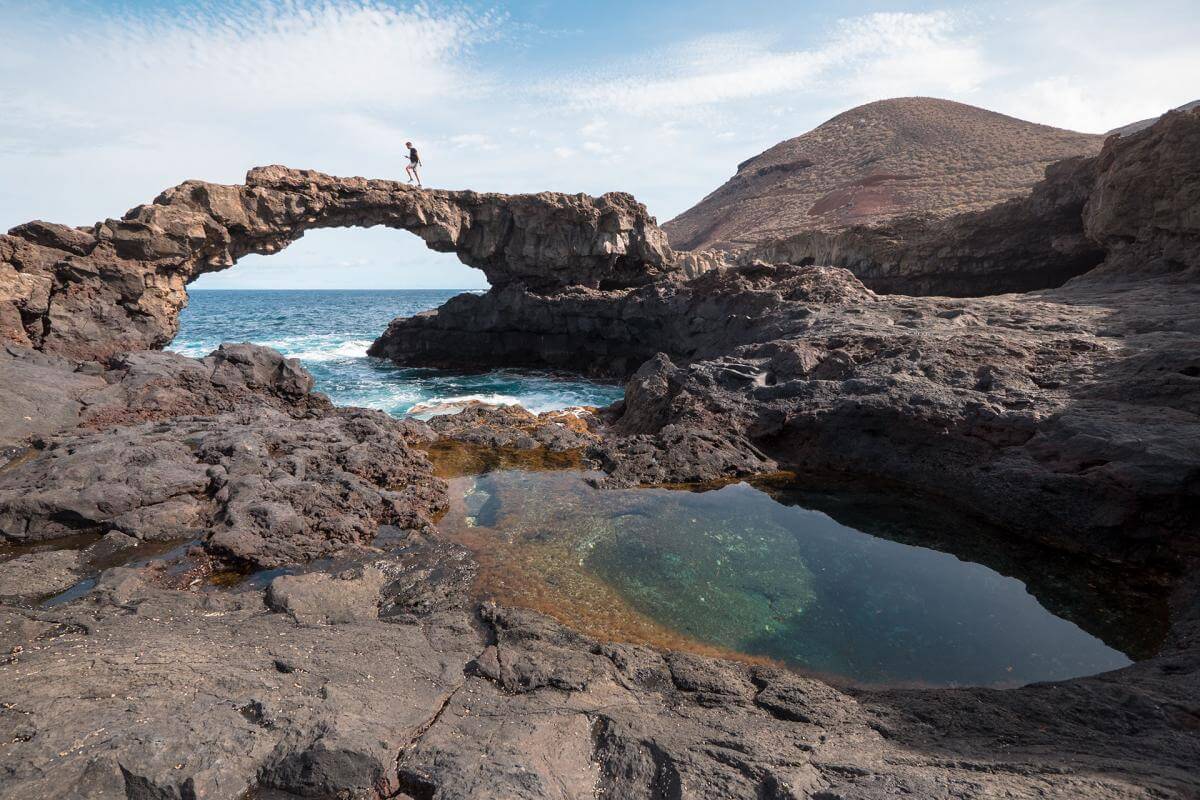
1084,211
119,285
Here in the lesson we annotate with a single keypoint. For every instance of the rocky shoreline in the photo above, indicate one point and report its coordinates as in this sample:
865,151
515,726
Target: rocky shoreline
357,664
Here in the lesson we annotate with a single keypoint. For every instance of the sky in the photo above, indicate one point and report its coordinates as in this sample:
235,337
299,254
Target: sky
105,103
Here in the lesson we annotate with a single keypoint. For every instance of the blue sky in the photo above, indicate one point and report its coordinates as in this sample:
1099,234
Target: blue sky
104,104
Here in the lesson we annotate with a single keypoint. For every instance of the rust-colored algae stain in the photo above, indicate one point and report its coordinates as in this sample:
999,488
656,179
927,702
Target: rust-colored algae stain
23,457
533,560
454,459
542,570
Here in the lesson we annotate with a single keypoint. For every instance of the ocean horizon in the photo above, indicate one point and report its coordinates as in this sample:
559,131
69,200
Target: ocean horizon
329,331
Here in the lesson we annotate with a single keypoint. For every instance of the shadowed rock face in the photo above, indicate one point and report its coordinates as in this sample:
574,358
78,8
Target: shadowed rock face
1033,242
119,285
1134,203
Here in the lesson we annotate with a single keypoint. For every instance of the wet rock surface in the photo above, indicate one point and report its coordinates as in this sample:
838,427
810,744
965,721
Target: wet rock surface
514,427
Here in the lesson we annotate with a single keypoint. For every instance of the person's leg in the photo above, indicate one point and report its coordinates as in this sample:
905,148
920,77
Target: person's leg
409,171
417,175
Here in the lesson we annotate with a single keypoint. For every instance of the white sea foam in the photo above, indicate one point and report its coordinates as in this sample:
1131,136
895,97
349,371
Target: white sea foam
330,351
438,406
330,334
312,348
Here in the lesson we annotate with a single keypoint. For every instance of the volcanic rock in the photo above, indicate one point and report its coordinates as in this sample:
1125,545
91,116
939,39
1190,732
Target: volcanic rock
37,575
320,599
1067,414
142,691
120,285
1066,417
1141,125
875,163
232,449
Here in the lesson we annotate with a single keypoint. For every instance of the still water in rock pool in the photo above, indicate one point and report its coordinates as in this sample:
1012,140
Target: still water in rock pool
330,331
732,571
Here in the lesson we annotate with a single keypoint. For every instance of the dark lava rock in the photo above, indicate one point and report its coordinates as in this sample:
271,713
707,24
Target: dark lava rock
37,575
514,427
120,287
239,454
320,599
1068,417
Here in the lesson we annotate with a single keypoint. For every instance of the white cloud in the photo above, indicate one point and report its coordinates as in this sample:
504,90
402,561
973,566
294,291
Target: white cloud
865,56
472,141
594,128
123,73
1095,71
101,111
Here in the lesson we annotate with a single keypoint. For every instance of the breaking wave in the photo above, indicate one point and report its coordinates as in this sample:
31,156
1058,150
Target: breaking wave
330,331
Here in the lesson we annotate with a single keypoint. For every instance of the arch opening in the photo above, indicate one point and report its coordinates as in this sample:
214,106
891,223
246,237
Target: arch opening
375,257
326,297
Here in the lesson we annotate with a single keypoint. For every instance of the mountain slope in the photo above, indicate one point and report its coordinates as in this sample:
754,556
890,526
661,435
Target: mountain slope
1141,125
877,162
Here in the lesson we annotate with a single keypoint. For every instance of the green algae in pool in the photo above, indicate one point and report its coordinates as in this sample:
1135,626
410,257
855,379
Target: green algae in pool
732,571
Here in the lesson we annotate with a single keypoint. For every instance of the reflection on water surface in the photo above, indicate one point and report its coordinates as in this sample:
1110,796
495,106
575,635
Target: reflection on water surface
732,571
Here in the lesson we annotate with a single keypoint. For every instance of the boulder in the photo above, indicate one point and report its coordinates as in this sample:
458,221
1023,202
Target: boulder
322,599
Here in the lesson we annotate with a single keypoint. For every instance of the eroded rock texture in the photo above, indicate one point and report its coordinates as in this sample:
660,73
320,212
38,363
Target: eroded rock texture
232,450
1069,413
119,285
364,669
349,683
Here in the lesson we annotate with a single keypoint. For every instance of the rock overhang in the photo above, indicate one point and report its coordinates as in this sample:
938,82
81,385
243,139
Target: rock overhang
120,285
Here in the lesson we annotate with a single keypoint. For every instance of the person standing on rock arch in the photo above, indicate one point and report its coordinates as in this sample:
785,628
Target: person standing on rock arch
414,161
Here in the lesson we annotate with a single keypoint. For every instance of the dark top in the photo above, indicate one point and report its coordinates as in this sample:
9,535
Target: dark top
412,155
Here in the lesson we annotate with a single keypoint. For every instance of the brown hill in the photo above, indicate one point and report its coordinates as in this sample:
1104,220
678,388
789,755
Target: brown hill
891,158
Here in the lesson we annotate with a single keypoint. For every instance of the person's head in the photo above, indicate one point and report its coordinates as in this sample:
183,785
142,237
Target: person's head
408,144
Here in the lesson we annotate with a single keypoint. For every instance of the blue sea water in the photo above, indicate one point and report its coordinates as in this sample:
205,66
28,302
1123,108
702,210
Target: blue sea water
330,331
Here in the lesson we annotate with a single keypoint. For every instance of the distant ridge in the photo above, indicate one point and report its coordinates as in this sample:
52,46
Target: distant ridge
891,158
1141,125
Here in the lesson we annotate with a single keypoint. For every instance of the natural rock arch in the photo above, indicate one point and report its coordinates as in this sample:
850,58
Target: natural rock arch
120,284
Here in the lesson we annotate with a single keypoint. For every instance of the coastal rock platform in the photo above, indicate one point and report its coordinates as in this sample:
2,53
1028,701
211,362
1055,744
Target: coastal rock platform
317,637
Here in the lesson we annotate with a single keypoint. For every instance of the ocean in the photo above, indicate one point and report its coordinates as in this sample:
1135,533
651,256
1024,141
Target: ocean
329,331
